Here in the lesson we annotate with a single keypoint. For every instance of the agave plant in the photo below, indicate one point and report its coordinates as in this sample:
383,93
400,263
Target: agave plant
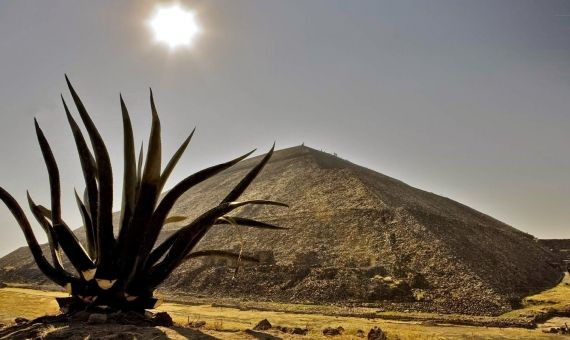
121,272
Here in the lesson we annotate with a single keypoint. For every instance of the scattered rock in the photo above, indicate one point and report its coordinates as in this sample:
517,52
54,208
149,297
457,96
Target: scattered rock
292,330
162,319
263,325
558,330
3,285
19,321
299,331
197,324
360,333
97,318
376,334
333,331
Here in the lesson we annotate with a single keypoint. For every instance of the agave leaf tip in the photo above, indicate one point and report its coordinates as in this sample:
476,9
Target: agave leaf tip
105,284
89,274
249,153
68,82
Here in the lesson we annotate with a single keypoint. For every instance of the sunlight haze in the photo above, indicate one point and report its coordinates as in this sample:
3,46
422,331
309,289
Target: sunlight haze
466,99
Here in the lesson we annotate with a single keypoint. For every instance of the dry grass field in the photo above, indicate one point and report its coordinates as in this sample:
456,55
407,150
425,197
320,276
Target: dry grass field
556,300
231,323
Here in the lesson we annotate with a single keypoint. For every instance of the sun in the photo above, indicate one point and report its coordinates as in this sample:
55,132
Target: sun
174,26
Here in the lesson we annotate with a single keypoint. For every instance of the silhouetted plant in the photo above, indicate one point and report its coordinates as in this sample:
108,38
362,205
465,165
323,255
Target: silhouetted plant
121,273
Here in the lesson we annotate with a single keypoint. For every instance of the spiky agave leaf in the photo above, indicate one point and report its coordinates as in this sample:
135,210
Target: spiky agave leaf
174,160
163,248
88,226
157,253
57,276
238,257
167,202
129,172
139,169
188,236
132,238
88,167
66,240
39,210
246,181
174,219
75,252
48,229
65,237
44,211
105,237
234,205
53,173
247,222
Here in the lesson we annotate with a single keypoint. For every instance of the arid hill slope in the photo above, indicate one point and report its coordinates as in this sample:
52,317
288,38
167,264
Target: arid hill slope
356,236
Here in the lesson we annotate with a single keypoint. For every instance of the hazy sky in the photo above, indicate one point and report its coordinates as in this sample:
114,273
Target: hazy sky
467,99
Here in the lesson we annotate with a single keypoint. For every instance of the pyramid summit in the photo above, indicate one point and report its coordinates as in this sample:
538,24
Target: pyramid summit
356,236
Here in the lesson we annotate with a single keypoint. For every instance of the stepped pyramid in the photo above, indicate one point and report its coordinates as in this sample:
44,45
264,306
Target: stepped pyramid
357,237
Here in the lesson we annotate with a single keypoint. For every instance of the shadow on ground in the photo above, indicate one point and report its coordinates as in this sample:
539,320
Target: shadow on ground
108,331
261,335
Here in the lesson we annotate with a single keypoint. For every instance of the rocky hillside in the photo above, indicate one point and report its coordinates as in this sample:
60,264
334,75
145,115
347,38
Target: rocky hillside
356,236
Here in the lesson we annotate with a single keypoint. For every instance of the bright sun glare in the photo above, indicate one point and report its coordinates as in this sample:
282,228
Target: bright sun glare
174,26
